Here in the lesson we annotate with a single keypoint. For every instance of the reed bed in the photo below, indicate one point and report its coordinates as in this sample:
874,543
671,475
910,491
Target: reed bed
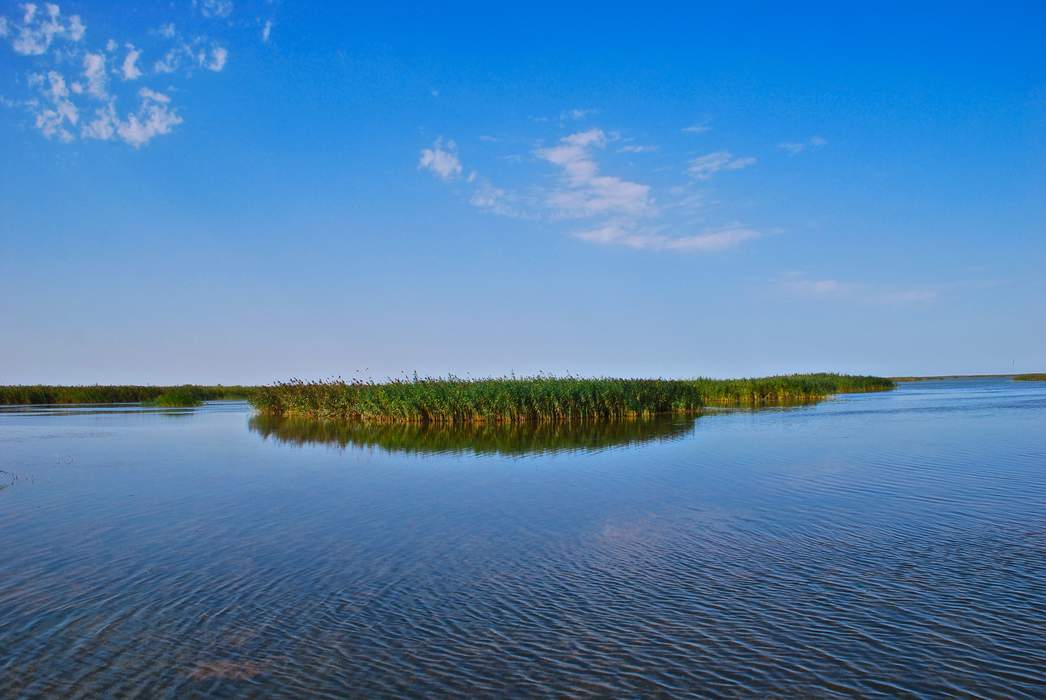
541,398
165,395
1033,377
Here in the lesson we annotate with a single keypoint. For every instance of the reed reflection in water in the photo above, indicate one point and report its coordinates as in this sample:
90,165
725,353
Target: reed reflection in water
480,438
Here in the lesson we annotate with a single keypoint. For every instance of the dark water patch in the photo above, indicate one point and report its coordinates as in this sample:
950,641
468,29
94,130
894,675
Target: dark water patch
478,438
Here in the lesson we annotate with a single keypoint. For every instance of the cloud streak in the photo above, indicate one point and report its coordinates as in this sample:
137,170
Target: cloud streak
613,210
705,167
794,148
639,239
798,283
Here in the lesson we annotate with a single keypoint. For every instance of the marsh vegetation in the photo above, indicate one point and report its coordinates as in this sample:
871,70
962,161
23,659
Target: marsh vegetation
162,395
541,398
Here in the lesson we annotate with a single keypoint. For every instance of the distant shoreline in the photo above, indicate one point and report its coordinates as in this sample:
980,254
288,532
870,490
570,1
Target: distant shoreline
1025,377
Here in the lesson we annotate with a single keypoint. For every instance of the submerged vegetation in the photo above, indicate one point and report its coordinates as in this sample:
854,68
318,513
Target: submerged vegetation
541,398
45,394
514,439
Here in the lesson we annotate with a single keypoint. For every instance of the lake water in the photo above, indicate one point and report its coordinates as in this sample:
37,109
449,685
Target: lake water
881,544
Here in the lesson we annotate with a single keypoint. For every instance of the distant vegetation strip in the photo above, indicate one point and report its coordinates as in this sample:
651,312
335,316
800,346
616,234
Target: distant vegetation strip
541,398
185,395
1035,377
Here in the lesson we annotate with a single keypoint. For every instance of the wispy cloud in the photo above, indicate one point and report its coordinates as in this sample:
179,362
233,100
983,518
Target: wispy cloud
442,161
796,147
188,54
214,8
697,128
266,31
576,114
77,90
567,115
584,191
801,284
637,148
706,166
640,239
613,210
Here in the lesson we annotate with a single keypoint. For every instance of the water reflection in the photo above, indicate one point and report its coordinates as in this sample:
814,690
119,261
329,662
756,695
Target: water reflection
502,439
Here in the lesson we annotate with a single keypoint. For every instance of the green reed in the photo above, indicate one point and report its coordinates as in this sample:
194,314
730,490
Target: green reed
541,398
47,394
1033,377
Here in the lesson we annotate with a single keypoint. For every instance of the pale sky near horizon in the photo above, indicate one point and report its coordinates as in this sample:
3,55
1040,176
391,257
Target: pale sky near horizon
241,192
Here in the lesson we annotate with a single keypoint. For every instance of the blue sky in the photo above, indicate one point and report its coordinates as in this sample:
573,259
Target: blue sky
232,191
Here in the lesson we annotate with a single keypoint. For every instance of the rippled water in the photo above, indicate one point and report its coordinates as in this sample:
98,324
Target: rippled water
881,544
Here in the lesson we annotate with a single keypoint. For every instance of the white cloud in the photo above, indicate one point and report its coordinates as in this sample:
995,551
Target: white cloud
52,120
170,61
796,147
704,167
219,56
153,118
94,72
215,8
3,27
266,31
130,69
585,192
698,128
442,162
167,31
38,30
103,126
192,55
640,239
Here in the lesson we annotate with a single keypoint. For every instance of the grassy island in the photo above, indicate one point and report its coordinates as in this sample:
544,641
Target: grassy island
1034,377
541,398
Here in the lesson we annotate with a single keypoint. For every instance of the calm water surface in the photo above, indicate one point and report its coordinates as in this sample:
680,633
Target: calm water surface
883,544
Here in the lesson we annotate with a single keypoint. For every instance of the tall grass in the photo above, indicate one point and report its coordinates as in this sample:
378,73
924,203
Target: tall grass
46,394
541,398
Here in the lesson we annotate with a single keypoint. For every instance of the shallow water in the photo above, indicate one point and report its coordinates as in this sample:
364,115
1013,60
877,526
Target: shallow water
879,544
